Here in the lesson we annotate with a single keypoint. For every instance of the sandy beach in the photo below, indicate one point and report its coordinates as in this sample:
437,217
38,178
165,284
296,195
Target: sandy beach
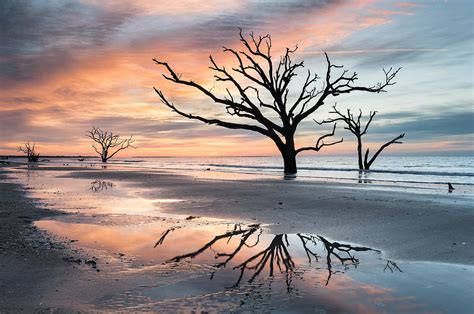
44,266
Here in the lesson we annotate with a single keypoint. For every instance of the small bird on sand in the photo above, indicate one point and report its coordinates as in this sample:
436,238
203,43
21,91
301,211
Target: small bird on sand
450,187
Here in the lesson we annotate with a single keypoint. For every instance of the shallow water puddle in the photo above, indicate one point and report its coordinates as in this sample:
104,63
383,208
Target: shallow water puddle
89,196
202,265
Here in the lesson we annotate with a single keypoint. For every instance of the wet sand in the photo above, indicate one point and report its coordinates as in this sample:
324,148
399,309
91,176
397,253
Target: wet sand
410,225
38,272
30,263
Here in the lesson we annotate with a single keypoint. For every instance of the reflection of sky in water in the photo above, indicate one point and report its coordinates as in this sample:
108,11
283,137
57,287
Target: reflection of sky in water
125,249
89,196
365,288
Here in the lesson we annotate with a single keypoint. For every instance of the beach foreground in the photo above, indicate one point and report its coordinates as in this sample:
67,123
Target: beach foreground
106,243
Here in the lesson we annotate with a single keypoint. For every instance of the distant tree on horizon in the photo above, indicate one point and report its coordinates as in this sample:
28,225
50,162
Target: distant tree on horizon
110,143
30,151
354,125
269,99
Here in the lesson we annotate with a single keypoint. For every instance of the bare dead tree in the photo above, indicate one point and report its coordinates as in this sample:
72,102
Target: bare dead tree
269,100
109,143
30,151
354,125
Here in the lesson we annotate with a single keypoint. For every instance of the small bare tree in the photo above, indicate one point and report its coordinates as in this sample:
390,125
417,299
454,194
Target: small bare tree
267,103
354,125
30,151
110,143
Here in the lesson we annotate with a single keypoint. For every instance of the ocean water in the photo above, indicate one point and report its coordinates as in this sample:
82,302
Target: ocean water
409,170
437,170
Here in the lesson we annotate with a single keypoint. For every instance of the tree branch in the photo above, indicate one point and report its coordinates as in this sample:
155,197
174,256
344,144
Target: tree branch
229,125
320,142
394,141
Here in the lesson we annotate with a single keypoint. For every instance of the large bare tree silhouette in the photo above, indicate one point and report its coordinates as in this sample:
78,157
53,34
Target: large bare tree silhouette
268,105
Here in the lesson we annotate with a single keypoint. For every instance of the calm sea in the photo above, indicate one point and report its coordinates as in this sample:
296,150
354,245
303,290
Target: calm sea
411,170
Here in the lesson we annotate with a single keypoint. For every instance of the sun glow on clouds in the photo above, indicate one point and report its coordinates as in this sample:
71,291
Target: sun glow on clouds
65,77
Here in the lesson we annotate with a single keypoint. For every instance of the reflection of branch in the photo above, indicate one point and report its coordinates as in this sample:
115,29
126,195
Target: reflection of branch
244,233
276,253
163,236
304,240
242,243
391,265
100,185
337,249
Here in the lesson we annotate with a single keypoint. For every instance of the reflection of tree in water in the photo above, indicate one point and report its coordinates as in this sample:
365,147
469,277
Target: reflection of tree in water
364,177
344,253
276,256
30,168
101,185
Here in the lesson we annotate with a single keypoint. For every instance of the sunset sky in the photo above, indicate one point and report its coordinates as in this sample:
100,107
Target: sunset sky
66,66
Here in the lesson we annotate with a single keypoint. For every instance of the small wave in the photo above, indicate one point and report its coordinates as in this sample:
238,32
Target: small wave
426,173
125,161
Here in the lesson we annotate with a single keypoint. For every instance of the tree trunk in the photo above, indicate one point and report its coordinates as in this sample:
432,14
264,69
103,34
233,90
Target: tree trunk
359,153
288,153
289,160
104,155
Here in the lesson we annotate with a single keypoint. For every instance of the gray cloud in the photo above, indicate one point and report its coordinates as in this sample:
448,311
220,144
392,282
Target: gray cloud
420,127
436,33
32,27
212,31
41,37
